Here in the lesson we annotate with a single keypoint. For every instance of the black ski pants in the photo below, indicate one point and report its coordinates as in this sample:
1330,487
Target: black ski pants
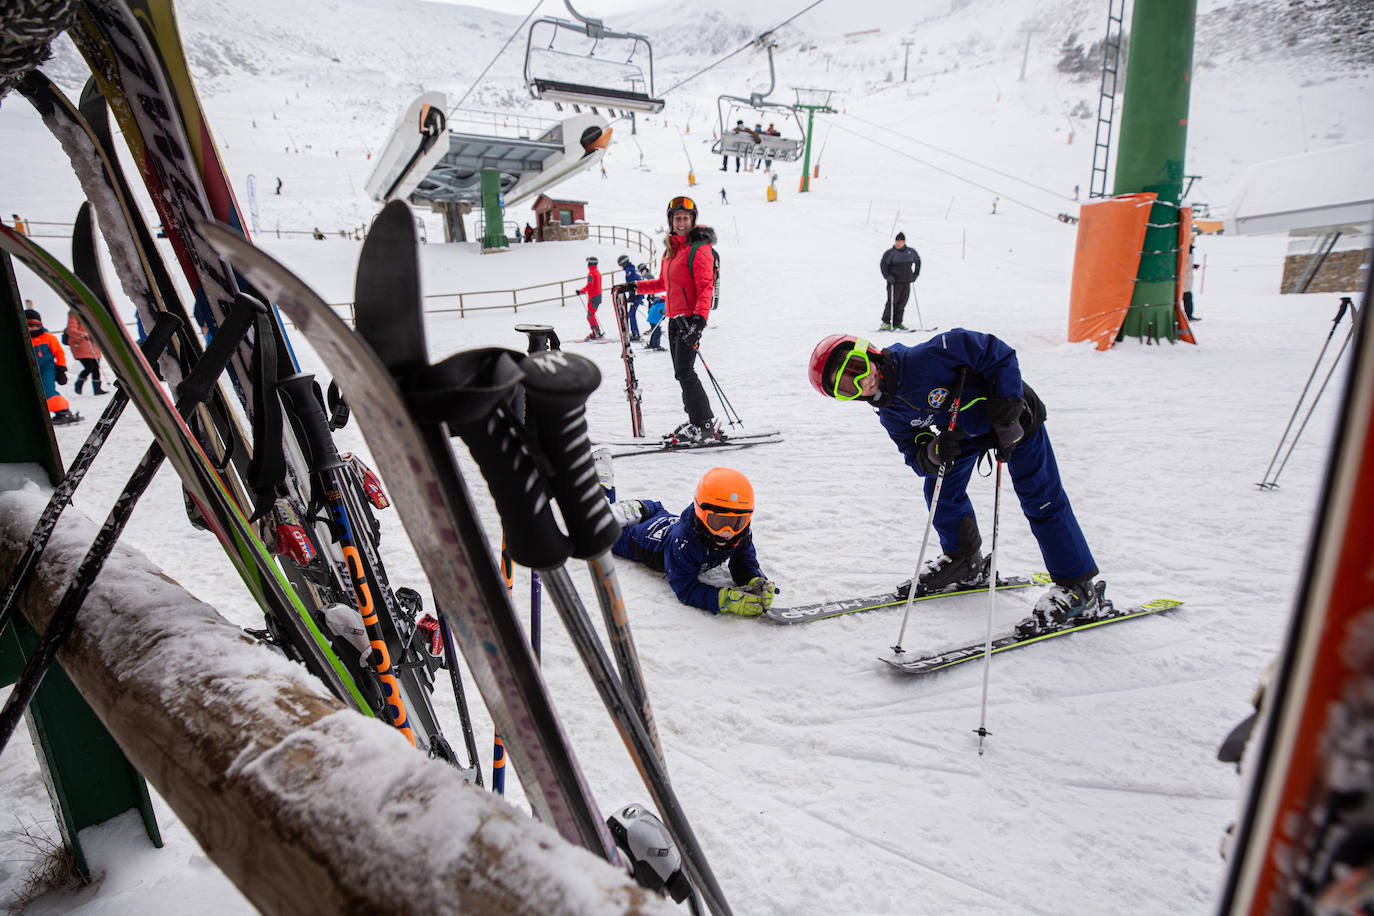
694,399
895,307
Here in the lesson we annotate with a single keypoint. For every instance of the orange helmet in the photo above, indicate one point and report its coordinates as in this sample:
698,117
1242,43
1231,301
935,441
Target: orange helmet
724,503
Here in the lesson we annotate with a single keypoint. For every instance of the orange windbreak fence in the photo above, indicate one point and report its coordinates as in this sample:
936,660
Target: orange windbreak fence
1106,259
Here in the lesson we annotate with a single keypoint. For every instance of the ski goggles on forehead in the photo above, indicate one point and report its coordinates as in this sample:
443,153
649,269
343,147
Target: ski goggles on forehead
681,203
719,523
856,367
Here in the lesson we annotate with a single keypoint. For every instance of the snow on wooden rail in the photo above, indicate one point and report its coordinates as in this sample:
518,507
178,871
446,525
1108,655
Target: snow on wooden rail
306,806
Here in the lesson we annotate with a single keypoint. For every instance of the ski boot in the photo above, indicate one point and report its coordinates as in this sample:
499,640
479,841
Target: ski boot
947,572
686,434
65,417
97,389
1063,604
884,326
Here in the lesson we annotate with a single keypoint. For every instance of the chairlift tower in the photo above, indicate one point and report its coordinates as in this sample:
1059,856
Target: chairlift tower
811,101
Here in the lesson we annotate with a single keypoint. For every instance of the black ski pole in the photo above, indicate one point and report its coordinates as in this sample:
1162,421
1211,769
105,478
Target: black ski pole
730,413
1265,483
62,496
956,396
982,729
460,695
521,498
194,389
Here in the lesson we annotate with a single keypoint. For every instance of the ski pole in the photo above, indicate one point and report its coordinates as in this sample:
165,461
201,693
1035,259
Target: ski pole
460,695
556,389
1265,483
956,397
916,301
194,389
982,730
62,496
730,413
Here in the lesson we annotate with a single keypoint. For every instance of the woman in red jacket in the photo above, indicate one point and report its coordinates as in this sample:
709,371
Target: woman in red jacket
687,281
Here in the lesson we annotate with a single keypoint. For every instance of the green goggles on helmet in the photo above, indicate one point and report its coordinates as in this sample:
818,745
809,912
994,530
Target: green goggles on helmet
854,367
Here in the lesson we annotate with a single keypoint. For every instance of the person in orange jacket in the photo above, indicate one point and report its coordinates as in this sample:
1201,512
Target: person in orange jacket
52,367
593,293
85,352
686,280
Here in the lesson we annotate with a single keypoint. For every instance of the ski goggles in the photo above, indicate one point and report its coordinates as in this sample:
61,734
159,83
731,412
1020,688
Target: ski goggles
723,524
855,367
682,203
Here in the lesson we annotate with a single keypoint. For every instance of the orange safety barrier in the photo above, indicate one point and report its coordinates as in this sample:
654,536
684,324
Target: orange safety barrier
1106,260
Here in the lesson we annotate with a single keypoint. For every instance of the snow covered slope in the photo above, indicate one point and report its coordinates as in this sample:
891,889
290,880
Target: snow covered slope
818,782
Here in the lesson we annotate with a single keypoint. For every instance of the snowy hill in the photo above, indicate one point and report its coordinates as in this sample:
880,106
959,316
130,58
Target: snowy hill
818,783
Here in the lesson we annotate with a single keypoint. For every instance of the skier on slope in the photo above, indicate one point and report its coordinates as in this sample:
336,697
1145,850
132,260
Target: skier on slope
911,388
593,293
900,266
52,367
686,279
713,531
85,352
633,303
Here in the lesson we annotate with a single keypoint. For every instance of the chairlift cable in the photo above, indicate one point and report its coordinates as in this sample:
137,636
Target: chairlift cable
956,156
750,44
520,28
994,191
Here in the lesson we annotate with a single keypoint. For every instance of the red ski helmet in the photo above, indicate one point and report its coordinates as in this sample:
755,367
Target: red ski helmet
835,353
724,503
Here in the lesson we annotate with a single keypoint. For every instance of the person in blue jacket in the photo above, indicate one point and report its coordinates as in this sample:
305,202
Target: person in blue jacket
654,316
632,304
912,389
713,531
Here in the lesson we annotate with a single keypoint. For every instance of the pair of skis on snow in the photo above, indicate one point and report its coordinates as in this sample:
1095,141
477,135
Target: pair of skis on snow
909,663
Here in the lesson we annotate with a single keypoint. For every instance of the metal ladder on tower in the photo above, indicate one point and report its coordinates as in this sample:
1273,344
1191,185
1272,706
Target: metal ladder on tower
1106,101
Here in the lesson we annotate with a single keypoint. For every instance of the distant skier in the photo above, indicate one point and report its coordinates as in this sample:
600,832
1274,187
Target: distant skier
85,352
912,389
654,314
635,300
900,266
723,198
278,191
52,367
713,531
593,293
529,233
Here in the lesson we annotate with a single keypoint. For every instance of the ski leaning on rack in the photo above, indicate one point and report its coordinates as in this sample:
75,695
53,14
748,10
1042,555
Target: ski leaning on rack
826,609
908,663
406,409
216,505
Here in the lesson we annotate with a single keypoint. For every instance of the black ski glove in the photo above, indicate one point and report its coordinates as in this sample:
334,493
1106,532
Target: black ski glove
946,447
628,288
692,328
1005,416
1008,436
60,375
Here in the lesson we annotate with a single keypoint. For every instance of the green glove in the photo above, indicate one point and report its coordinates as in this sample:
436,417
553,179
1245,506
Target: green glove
745,604
764,588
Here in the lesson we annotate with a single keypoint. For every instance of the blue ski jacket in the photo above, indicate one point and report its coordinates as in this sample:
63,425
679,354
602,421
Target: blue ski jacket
669,543
918,384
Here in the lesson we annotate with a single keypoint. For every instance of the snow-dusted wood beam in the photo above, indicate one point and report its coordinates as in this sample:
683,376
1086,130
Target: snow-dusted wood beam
306,806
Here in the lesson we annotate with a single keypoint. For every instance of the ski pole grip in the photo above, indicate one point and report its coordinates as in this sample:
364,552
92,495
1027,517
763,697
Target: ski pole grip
301,397
476,394
164,326
520,491
557,385
196,387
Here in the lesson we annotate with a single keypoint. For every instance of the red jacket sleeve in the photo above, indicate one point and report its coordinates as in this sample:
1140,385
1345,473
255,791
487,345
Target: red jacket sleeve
703,273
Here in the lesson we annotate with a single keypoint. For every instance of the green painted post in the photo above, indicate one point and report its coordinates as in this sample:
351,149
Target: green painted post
1150,151
494,236
23,407
806,156
820,102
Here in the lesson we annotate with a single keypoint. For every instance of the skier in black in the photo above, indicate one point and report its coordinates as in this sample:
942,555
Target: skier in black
900,266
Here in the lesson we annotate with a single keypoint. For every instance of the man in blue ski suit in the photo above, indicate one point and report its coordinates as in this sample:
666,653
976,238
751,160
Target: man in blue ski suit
912,389
713,531
633,302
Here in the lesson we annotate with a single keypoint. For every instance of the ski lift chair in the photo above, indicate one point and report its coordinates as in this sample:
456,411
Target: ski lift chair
759,145
598,81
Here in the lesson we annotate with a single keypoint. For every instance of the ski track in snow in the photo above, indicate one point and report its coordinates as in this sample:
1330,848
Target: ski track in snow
818,781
